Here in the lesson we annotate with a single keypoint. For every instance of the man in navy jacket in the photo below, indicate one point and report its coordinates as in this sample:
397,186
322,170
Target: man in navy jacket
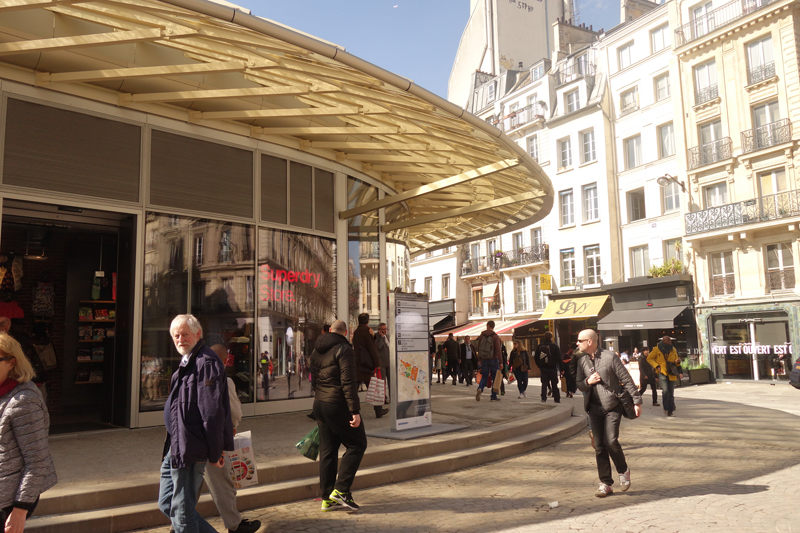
197,415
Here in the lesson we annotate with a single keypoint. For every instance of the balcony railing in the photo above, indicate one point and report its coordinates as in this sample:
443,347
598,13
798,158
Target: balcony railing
723,285
769,135
477,311
523,116
780,280
225,256
494,309
761,73
717,18
527,255
480,264
706,94
574,72
710,153
772,207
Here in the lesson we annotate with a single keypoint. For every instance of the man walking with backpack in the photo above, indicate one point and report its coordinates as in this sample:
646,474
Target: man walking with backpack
489,350
548,358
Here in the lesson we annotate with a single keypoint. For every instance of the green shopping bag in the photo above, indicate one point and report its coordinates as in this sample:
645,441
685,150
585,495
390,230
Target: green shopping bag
309,445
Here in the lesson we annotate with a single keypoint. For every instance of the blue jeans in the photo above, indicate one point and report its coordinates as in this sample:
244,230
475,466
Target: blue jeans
667,393
177,496
488,368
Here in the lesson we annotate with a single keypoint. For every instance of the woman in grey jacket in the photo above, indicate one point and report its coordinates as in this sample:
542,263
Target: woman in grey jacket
26,467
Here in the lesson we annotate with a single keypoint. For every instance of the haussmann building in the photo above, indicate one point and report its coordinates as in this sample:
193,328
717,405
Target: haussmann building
184,156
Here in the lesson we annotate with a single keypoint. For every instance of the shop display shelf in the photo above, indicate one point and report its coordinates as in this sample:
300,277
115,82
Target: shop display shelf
98,320
88,383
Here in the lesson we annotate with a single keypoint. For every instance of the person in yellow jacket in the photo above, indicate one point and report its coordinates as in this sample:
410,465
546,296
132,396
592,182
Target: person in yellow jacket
661,355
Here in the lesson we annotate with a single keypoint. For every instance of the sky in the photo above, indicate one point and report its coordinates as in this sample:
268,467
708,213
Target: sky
416,39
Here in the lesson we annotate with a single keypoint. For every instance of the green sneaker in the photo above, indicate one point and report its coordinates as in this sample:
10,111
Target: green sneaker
329,505
345,499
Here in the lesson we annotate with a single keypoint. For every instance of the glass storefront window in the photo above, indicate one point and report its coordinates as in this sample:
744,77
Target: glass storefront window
363,262
751,346
296,298
206,268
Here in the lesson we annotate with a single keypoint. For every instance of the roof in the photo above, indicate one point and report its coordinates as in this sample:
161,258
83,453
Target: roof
455,177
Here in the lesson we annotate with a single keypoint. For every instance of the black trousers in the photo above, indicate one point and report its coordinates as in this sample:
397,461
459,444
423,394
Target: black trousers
550,379
643,387
605,428
334,430
468,369
451,370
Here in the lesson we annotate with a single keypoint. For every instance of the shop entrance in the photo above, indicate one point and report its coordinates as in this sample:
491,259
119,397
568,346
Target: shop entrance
67,281
754,345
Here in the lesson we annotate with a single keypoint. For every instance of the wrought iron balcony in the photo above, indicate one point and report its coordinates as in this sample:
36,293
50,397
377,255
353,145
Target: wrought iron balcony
706,94
523,116
773,207
717,18
494,308
480,264
710,153
780,280
769,135
477,311
520,307
574,72
723,285
527,255
761,73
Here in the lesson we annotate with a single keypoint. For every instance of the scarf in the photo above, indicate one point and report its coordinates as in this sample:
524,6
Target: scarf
7,386
664,348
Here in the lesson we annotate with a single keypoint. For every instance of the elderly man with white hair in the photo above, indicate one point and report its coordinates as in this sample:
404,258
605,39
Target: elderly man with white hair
198,419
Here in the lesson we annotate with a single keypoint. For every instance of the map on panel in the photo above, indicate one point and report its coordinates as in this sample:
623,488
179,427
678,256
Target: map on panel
412,380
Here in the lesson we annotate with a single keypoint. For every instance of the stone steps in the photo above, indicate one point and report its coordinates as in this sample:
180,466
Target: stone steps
117,507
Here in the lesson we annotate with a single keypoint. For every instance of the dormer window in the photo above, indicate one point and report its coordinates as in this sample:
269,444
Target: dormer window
490,92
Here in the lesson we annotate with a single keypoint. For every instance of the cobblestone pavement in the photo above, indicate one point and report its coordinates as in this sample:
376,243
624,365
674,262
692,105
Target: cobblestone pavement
716,466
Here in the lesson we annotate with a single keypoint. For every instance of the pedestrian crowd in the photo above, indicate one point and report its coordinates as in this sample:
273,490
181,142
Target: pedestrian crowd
202,411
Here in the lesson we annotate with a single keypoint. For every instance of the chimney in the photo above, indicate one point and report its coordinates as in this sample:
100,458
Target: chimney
520,65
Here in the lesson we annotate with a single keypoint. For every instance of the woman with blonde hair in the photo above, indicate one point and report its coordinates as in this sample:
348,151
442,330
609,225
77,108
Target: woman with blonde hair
26,467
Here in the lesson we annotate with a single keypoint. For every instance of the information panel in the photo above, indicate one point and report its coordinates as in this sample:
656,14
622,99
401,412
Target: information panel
410,383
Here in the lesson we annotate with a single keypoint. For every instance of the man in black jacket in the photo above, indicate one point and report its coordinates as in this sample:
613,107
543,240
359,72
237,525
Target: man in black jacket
334,378
453,358
548,358
366,354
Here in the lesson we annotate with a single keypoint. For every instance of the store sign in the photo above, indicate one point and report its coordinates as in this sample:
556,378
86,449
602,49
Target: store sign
545,282
633,326
749,348
268,292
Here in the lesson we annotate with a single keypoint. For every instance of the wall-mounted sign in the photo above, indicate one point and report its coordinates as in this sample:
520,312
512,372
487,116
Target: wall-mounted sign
546,282
749,348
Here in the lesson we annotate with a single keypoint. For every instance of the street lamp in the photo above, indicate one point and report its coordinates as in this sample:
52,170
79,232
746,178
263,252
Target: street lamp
664,180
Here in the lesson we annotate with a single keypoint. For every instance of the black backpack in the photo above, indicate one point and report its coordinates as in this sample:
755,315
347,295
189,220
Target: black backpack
794,376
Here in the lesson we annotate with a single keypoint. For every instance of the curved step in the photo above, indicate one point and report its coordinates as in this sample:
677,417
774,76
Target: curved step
100,496
142,515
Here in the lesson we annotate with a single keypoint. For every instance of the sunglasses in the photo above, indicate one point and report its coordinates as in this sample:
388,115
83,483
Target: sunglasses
6,359
584,340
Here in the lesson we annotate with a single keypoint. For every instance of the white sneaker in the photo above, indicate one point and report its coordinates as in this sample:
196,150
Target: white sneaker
625,480
520,395
603,491
524,394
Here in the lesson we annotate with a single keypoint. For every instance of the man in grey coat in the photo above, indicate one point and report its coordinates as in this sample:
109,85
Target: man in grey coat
601,374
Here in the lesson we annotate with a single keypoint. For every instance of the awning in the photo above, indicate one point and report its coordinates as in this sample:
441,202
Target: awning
652,318
488,291
440,322
504,328
574,307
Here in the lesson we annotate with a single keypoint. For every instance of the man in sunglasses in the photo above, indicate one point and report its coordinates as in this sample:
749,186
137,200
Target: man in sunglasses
600,375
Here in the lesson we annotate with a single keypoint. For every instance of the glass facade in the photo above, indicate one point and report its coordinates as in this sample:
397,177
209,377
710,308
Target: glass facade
755,345
206,268
296,298
363,255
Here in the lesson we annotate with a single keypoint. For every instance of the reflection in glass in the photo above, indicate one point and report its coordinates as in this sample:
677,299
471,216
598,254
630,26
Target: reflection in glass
296,297
206,268
363,267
